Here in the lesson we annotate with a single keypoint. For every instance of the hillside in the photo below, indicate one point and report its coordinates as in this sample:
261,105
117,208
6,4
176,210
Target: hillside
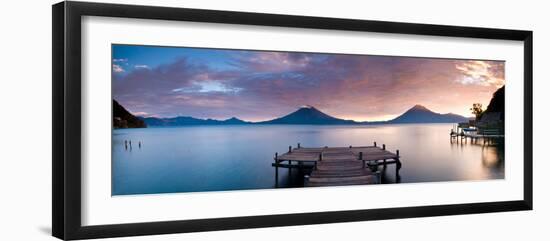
124,119
497,103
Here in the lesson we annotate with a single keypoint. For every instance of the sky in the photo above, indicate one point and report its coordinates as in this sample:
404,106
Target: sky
263,85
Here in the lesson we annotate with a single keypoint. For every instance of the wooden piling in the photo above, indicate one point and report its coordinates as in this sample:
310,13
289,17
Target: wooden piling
375,143
383,146
397,166
298,145
289,149
290,169
276,170
361,158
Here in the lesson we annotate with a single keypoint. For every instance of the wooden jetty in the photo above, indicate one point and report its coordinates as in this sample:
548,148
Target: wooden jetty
337,166
488,135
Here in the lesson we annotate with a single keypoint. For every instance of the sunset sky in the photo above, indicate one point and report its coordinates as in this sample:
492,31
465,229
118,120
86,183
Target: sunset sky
262,85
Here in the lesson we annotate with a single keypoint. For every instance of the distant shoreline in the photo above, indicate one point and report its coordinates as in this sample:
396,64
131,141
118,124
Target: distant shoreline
310,115
264,124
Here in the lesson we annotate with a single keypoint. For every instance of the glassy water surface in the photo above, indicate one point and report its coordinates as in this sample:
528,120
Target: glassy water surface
217,158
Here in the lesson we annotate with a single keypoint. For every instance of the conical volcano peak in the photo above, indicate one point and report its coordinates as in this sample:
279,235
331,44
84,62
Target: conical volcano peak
421,114
308,114
419,107
308,110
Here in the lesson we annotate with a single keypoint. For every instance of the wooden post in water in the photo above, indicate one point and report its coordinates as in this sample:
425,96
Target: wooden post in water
298,145
289,149
397,166
276,169
320,159
290,168
383,146
350,146
375,144
361,158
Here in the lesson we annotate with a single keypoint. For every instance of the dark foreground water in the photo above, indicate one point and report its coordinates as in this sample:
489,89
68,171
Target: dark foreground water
216,158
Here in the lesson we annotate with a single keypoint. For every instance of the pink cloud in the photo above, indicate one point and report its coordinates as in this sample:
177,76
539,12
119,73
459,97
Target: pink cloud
265,85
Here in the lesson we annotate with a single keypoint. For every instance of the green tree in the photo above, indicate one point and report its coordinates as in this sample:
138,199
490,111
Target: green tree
477,110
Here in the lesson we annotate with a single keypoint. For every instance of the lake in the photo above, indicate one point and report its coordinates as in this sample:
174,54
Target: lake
237,157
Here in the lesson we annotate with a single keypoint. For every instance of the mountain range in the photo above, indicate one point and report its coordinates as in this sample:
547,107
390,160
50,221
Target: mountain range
309,115
187,120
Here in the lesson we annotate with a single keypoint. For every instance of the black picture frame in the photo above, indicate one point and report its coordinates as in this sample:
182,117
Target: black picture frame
66,164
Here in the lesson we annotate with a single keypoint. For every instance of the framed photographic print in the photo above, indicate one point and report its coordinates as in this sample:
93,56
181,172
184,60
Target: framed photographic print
170,120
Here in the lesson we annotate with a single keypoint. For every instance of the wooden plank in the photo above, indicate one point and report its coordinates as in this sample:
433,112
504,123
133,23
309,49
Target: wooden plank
339,168
378,157
333,173
339,179
322,182
298,157
291,165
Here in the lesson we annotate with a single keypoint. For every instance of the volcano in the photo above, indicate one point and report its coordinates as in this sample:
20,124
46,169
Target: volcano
421,114
308,115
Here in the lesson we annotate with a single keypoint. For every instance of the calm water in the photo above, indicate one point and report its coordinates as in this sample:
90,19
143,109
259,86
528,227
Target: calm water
215,158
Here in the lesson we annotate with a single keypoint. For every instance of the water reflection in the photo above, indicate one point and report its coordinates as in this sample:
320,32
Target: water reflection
200,158
492,151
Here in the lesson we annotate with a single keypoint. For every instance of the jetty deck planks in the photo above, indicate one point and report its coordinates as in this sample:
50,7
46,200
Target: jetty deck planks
337,166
